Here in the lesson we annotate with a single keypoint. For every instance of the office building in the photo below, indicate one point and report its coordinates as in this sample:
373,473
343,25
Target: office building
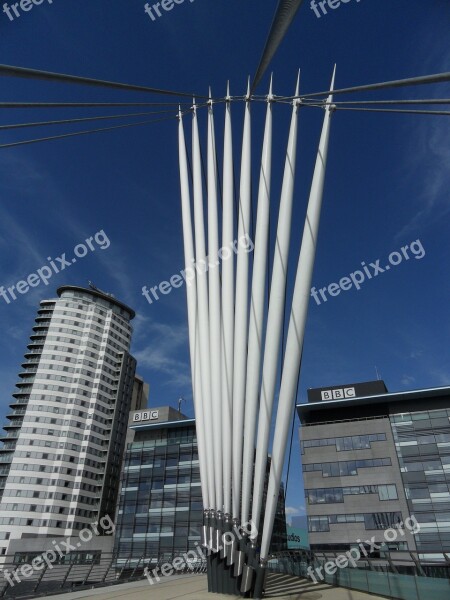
61,456
373,460
139,398
160,510
297,533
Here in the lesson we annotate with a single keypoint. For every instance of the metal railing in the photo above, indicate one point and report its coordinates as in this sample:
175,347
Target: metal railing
21,580
397,575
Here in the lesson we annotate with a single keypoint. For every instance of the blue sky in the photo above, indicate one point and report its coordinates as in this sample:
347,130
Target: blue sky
387,181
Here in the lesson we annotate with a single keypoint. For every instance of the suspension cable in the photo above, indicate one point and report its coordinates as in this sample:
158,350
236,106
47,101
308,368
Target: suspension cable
422,101
67,121
425,80
11,71
67,135
387,110
84,104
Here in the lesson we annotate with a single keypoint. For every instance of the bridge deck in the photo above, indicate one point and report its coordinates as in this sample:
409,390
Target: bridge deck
194,587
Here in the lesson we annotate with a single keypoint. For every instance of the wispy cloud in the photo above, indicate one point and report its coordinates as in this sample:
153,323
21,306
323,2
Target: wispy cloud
441,375
20,173
15,236
408,380
161,351
429,156
294,511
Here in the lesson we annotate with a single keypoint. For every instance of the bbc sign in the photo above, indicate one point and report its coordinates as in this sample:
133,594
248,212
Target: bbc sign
338,394
347,391
146,415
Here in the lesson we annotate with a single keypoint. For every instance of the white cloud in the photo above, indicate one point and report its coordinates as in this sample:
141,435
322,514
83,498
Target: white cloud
441,375
428,154
20,174
407,380
15,236
163,343
431,157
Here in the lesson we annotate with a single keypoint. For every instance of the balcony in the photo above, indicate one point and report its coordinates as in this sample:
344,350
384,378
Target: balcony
30,362
22,392
46,306
41,325
23,400
40,330
25,382
13,424
38,336
16,413
28,372
11,435
8,446
32,344
31,351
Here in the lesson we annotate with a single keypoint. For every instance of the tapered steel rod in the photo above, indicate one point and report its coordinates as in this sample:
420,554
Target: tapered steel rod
294,343
284,15
215,335
275,315
202,304
256,319
227,307
191,291
241,309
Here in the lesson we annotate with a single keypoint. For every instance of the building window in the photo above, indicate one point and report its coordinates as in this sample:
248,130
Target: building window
387,492
336,494
378,521
325,496
318,524
344,444
345,468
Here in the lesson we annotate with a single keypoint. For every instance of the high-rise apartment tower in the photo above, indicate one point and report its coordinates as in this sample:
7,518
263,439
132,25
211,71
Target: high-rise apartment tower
60,461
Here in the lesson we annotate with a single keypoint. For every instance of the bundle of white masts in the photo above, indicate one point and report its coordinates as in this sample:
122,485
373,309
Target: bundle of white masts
234,347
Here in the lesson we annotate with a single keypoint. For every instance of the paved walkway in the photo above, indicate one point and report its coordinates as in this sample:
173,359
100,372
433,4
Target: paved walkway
194,587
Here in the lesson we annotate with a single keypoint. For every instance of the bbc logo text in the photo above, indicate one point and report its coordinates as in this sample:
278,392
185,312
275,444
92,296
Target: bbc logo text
338,394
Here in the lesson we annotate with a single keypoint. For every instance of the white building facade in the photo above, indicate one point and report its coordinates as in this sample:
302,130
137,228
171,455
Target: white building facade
60,461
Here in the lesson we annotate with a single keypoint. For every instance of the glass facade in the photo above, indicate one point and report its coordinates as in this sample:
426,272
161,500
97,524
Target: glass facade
400,443
160,511
371,520
160,505
342,444
345,468
422,441
336,494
